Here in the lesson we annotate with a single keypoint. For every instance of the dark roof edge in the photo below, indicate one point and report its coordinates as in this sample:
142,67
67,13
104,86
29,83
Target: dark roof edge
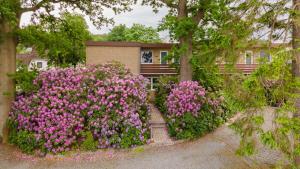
129,44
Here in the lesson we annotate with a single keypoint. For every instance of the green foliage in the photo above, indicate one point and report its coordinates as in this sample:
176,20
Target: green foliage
165,84
130,137
189,126
62,41
7,11
89,143
99,37
136,33
24,78
117,33
271,84
23,139
208,76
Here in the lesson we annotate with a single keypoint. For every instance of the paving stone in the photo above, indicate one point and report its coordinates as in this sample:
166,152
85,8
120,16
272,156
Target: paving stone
159,132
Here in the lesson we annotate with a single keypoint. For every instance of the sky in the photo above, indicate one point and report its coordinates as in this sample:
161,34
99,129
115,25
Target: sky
139,14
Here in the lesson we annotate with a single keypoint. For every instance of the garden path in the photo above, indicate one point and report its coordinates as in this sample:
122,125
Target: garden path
159,132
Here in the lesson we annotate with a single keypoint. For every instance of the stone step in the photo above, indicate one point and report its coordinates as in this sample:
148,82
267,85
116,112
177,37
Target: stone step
158,126
159,132
160,136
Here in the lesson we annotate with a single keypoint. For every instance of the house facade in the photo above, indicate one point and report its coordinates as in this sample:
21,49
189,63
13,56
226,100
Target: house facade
147,59
33,61
250,58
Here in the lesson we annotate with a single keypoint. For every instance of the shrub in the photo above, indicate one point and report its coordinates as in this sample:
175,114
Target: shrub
191,112
188,96
89,143
24,78
165,84
106,100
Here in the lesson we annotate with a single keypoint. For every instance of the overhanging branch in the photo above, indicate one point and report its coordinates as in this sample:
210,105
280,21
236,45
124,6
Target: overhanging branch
169,3
37,6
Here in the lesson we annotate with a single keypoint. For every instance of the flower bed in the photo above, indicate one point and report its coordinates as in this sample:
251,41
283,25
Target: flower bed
97,107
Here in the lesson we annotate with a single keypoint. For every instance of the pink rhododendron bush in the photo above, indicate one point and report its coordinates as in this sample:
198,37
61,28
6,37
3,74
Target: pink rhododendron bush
97,107
191,112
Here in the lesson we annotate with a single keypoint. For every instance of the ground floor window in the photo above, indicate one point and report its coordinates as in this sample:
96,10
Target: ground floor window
153,83
248,57
39,64
266,55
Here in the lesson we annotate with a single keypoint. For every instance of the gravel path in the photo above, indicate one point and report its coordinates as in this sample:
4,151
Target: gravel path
213,151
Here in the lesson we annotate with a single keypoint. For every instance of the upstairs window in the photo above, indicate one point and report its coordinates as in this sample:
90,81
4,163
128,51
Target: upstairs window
163,55
146,56
248,57
266,55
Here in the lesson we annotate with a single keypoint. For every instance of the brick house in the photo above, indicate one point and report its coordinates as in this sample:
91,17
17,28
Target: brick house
32,60
147,59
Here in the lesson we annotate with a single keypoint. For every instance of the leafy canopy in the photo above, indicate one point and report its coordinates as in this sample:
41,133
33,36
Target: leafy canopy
62,42
135,33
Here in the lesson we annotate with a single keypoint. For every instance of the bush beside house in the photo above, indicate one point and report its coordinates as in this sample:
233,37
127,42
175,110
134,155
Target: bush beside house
96,107
189,109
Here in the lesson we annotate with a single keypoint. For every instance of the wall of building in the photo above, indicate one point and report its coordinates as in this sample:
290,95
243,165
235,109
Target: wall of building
156,54
39,64
255,56
129,56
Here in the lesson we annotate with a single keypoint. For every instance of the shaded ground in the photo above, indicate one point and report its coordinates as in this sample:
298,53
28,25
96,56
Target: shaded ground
213,151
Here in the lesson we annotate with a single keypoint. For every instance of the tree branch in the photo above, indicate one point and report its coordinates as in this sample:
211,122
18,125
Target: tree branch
199,15
169,3
37,6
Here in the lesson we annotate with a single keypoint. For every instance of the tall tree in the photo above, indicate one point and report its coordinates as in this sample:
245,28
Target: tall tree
182,21
62,42
117,33
10,15
135,33
296,61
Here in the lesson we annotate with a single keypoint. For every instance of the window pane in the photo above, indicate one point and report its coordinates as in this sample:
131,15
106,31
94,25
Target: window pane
263,54
146,57
163,57
154,83
150,83
248,57
39,64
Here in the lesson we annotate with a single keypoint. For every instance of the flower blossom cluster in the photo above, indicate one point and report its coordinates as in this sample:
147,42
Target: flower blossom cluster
186,97
105,99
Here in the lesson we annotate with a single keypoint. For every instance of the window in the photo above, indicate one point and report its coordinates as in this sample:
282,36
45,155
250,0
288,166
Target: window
146,56
248,57
39,64
176,61
153,83
163,55
263,54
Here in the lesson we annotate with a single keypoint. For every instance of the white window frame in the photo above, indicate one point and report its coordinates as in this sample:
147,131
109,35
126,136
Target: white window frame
270,56
161,57
142,56
245,57
151,83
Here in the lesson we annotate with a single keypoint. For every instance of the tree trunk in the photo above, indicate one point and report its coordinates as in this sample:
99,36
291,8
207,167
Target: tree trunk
7,66
186,71
296,61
